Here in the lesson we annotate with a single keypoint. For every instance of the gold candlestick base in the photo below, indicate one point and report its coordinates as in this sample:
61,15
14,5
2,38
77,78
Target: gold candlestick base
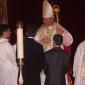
20,80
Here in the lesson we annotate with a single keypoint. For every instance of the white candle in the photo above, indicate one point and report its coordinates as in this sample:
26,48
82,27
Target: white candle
20,52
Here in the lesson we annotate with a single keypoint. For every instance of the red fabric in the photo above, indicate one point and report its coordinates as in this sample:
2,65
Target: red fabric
69,74
68,49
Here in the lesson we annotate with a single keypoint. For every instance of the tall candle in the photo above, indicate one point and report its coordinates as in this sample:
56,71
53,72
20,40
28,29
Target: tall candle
20,52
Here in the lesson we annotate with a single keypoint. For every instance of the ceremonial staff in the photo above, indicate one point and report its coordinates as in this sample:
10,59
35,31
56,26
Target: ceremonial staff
56,10
20,52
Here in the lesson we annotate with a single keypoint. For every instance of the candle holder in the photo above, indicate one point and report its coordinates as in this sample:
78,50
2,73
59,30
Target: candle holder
20,52
20,80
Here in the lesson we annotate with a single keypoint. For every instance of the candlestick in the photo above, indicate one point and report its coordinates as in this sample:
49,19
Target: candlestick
20,80
20,52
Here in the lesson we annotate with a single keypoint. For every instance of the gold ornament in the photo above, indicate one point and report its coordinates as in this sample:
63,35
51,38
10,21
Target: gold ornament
56,9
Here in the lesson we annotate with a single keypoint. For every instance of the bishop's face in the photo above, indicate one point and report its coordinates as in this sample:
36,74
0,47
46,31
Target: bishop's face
48,21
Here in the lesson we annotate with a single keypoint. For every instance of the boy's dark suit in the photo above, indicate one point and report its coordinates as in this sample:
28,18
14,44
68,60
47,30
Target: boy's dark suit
33,63
56,65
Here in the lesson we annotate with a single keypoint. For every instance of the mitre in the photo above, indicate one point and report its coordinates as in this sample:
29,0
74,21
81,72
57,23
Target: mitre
47,9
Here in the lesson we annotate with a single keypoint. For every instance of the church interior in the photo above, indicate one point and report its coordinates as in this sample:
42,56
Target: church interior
72,15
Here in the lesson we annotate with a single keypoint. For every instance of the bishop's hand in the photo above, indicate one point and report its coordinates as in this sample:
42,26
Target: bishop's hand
46,40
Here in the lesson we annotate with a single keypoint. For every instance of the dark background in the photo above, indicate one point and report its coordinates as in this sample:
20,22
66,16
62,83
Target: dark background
72,15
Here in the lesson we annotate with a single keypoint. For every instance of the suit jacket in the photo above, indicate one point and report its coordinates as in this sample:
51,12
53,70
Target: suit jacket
33,63
56,65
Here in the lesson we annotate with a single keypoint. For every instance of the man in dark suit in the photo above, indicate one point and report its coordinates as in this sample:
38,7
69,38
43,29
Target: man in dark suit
34,58
56,63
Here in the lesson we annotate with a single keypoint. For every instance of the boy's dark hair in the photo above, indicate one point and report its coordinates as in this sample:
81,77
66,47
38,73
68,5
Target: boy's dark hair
31,30
3,28
58,39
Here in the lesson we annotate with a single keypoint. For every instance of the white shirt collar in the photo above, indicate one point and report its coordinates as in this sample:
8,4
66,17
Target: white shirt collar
31,37
57,46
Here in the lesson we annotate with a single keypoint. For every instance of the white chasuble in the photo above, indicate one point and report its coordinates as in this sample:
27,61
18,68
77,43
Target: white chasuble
45,36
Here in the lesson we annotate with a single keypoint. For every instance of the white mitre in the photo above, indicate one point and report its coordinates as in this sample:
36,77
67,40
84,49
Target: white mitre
47,9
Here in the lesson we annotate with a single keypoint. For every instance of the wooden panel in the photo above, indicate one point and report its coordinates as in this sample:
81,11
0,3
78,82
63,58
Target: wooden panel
3,11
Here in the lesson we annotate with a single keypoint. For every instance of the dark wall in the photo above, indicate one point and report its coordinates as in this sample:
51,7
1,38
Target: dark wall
28,11
73,17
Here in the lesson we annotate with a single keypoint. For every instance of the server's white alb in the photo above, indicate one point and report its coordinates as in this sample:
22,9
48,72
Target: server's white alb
8,66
